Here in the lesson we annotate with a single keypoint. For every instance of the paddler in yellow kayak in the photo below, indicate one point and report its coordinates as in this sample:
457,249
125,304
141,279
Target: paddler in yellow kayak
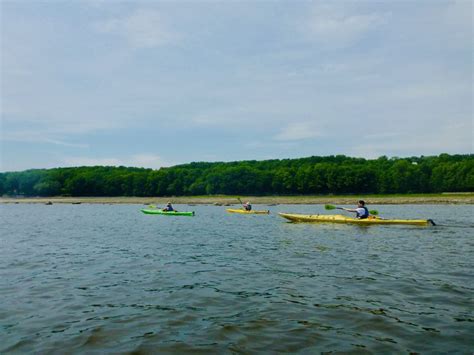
247,206
361,211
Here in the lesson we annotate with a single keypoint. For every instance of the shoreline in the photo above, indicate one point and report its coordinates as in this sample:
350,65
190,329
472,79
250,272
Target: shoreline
445,198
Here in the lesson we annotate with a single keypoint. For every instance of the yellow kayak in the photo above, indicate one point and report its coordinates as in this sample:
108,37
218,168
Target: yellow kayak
337,218
231,210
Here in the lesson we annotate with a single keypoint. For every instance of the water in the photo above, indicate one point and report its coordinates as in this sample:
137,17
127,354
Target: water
107,278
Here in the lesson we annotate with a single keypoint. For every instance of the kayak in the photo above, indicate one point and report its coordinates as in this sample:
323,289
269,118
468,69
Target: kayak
231,210
337,218
170,213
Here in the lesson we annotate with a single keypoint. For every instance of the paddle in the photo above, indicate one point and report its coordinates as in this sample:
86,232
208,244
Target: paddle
238,198
153,206
331,207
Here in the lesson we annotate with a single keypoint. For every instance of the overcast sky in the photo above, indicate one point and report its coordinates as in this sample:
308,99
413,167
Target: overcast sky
160,83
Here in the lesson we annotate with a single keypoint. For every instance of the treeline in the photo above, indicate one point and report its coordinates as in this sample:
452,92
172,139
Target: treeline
314,175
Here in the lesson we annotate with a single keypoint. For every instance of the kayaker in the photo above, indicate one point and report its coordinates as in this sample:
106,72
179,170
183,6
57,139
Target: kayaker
247,206
168,207
361,211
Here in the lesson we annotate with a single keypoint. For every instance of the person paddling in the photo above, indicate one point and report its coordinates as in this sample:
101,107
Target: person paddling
168,208
361,211
247,206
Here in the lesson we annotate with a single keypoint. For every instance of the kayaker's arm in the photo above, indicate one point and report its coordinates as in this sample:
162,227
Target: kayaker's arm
348,209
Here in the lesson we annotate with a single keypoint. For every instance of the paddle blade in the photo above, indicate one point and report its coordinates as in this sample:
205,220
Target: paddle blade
152,206
374,212
330,207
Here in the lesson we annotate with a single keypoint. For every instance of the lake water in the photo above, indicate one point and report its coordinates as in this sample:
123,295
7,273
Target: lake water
107,278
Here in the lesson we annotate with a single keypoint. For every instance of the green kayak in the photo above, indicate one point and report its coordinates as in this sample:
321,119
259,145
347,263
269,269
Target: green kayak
171,213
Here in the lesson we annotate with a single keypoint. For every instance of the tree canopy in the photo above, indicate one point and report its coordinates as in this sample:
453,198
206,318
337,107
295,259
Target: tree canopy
313,175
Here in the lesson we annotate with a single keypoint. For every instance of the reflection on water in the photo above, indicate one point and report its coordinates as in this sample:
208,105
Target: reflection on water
107,278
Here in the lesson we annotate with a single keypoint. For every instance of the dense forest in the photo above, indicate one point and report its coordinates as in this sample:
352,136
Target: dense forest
314,175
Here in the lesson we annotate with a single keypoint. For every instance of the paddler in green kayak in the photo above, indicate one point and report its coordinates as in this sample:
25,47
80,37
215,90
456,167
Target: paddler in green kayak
361,211
168,208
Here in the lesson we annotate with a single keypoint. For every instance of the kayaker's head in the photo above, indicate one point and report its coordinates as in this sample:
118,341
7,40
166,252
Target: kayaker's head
361,203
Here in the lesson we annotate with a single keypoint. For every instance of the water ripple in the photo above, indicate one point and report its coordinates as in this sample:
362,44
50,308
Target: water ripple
95,279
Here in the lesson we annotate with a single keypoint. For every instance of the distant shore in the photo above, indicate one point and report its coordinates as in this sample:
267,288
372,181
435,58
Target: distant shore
444,198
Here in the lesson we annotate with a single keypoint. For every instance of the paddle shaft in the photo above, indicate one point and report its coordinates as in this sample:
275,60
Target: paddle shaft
331,207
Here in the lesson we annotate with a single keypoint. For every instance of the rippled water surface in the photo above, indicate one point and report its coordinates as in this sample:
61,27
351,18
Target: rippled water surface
107,278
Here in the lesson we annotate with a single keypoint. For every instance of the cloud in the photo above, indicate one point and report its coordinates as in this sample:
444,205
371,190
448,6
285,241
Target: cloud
452,138
86,161
223,76
142,29
149,160
138,160
298,131
72,134
254,111
38,137
340,24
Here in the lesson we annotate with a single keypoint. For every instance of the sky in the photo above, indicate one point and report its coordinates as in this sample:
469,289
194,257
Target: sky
160,83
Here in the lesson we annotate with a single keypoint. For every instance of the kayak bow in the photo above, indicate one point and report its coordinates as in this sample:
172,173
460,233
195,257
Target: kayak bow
344,219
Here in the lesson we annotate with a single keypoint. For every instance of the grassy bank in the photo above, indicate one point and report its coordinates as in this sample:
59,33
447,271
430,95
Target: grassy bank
444,198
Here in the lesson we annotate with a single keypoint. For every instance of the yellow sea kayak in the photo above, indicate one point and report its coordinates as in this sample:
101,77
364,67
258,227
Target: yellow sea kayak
231,210
337,218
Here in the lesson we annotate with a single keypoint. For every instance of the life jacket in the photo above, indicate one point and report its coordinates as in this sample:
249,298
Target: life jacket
365,215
